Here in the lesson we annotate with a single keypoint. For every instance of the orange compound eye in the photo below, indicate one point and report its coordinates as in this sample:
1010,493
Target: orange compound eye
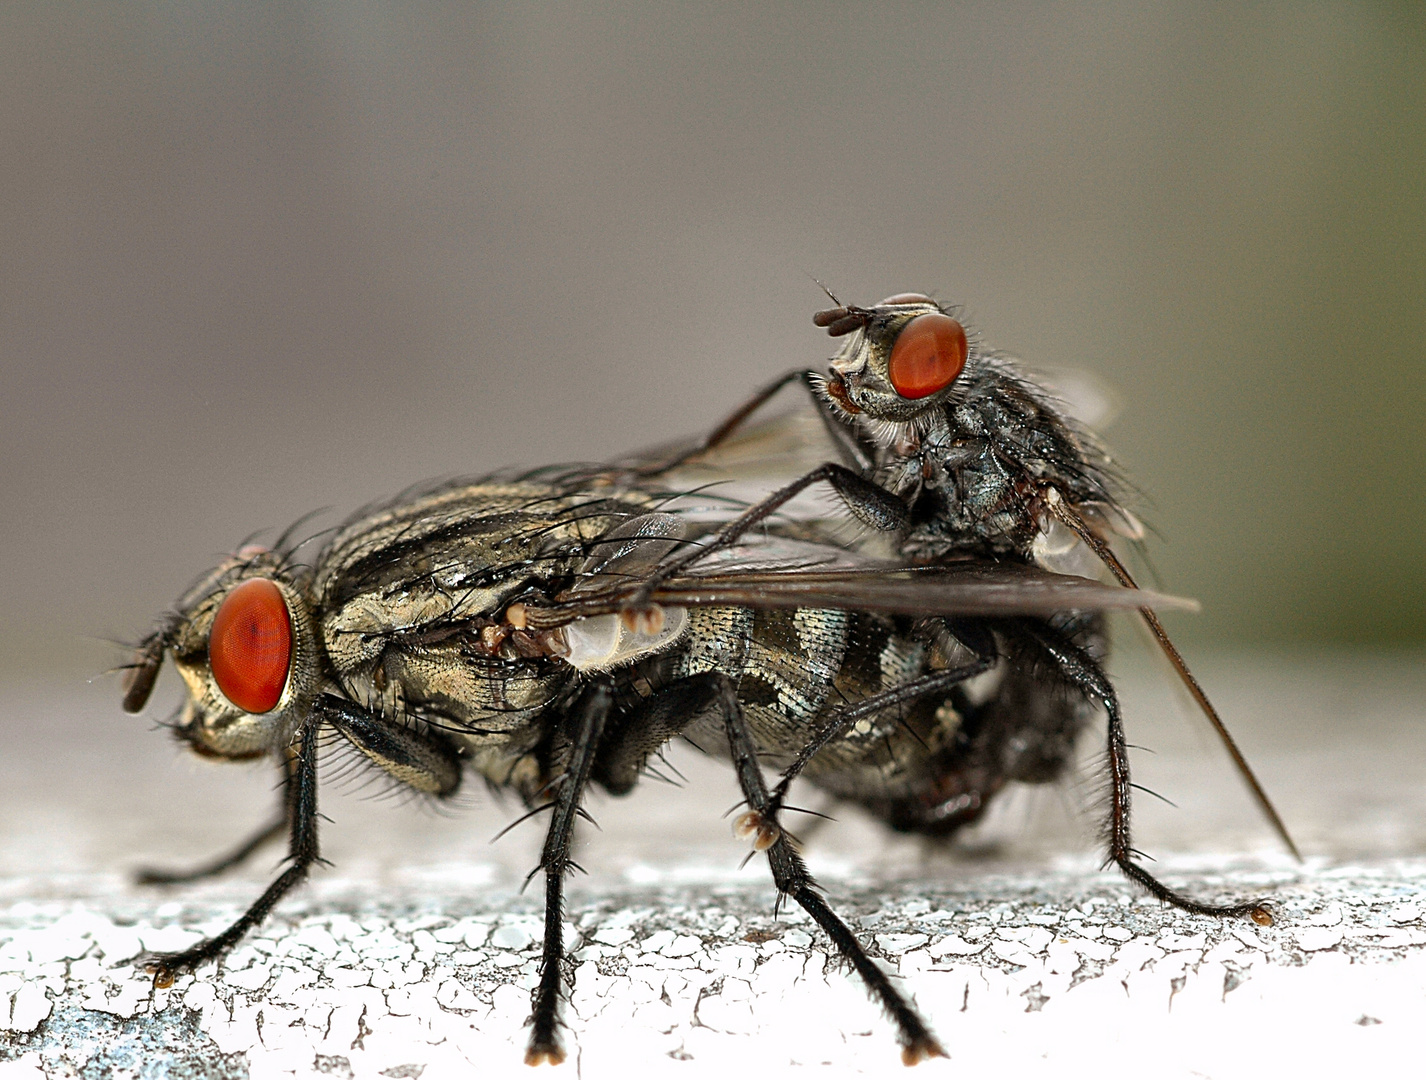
928,355
250,645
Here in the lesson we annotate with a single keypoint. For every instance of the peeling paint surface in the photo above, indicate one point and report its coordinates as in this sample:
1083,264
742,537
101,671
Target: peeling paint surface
1053,974
415,955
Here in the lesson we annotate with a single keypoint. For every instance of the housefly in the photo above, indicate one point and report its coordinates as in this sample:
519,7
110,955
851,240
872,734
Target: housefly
960,455
554,630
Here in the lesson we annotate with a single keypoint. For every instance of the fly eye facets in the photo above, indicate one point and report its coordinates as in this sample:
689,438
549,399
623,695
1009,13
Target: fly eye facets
928,355
250,646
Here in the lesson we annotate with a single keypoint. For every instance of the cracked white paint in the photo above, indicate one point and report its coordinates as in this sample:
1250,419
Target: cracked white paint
1062,975
415,954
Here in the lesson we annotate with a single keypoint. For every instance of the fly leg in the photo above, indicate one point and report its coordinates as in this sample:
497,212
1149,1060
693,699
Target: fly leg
302,853
419,758
264,836
1084,673
855,455
735,420
1095,543
634,735
844,719
589,714
871,504
790,875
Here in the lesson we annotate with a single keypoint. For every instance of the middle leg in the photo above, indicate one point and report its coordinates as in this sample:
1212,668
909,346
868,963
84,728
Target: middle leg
790,875
589,713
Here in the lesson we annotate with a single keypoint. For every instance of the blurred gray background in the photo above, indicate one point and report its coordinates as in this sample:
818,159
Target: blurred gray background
263,258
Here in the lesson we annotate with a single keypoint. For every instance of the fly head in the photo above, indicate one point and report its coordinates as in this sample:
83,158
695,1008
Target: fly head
243,641
902,357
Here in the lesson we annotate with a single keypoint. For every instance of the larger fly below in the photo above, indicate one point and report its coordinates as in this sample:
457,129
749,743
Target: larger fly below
554,630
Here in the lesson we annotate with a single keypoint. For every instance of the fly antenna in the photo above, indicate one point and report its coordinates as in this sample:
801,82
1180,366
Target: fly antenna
830,294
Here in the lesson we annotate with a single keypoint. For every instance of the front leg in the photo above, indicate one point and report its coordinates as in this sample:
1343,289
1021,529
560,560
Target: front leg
301,798
854,452
264,836
1081,671
419,757
872,505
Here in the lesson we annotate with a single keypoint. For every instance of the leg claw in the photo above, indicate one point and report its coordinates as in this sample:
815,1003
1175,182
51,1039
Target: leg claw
162,974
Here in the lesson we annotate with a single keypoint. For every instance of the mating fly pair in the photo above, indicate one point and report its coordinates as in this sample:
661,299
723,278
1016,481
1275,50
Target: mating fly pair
556,629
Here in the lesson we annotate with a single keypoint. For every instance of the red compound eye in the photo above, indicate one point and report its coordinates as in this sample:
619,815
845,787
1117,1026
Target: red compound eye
250,645
928,355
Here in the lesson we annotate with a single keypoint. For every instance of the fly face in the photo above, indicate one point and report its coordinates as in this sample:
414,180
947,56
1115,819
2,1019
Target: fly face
900,359
244,642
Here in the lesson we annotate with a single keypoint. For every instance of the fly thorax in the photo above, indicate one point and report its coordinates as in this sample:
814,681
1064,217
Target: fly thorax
967,422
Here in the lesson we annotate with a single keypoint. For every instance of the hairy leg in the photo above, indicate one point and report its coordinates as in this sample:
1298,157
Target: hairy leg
790,875
1084,673
302,853
588,716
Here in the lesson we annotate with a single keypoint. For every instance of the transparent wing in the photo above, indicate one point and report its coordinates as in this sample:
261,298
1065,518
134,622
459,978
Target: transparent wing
1085,396
972,588
778,572
752,463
